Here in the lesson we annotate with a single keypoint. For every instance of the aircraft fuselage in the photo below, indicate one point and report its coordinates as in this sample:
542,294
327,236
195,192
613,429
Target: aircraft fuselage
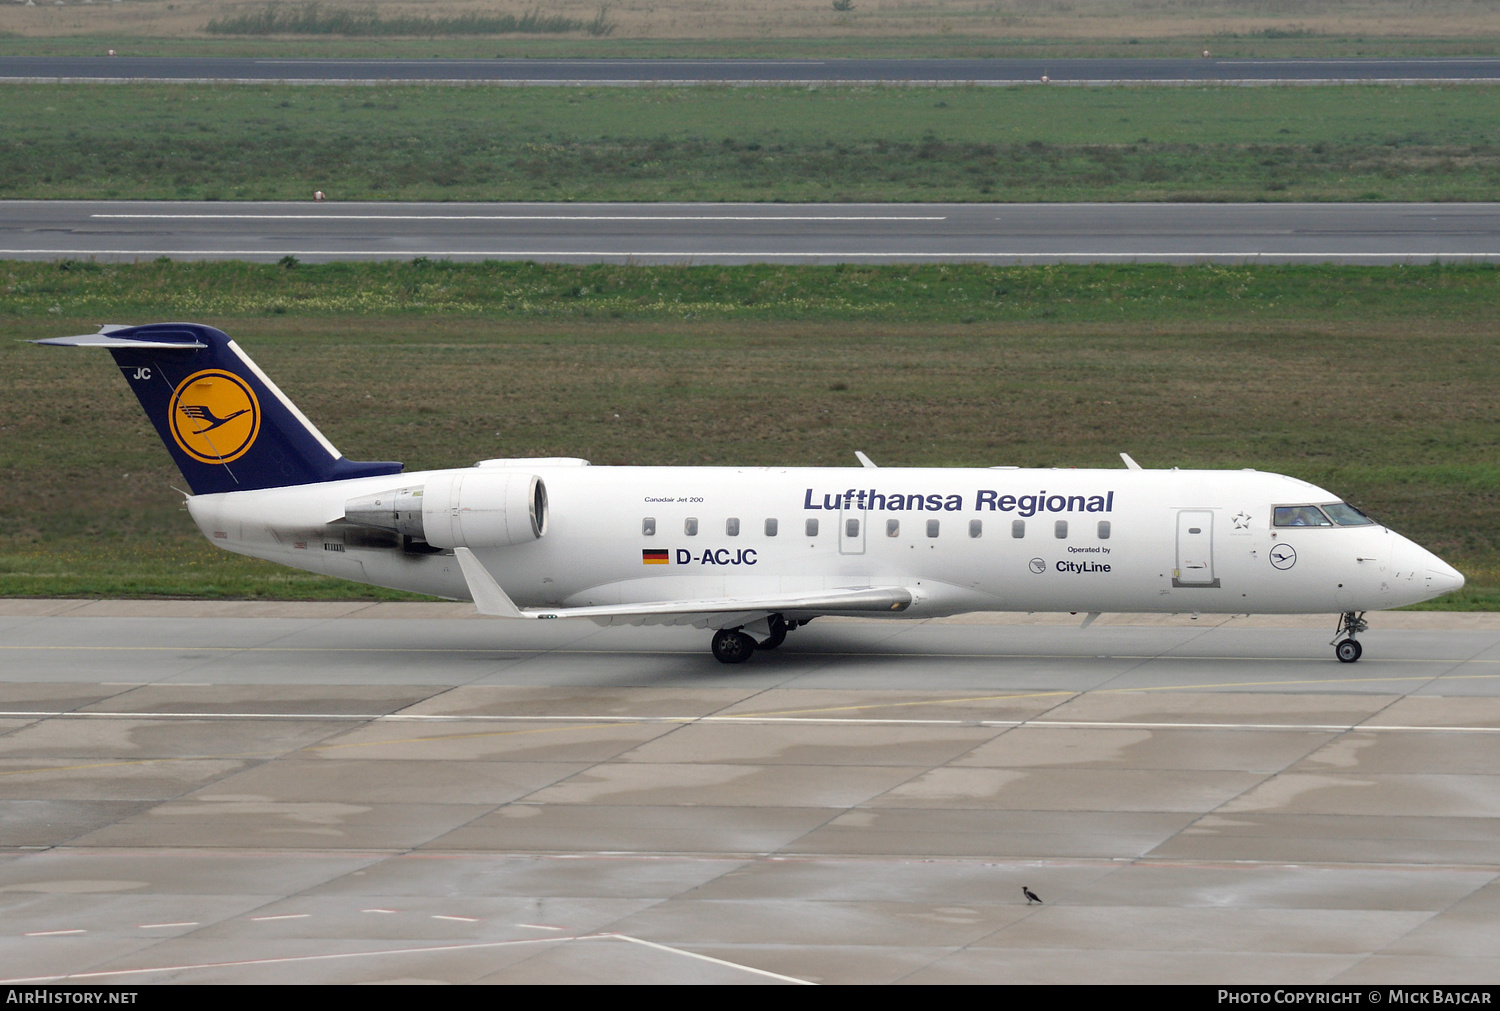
959,539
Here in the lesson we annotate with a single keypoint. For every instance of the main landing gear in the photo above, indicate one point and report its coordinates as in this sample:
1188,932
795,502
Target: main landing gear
1345,646
730,645
778,627
734,645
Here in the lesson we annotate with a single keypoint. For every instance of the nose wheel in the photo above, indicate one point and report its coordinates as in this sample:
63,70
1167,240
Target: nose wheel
1345,646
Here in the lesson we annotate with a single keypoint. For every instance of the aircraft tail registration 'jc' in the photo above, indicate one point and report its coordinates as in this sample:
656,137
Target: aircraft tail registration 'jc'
752,552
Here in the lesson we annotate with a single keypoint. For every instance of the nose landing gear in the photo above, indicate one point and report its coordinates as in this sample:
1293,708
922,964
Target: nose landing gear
1345,646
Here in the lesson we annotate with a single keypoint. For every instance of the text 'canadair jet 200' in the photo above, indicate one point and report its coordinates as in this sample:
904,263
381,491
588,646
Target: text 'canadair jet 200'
752,552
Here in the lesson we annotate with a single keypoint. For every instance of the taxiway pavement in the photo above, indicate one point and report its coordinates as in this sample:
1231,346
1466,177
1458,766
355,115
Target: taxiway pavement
746,233
362,792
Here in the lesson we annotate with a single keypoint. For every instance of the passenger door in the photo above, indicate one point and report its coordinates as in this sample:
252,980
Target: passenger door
1195,549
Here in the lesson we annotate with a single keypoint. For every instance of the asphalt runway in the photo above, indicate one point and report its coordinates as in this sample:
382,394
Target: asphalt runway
249,70
247,792
746,233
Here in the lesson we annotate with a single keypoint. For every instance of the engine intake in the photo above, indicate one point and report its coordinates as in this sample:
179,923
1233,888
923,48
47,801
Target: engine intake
467,509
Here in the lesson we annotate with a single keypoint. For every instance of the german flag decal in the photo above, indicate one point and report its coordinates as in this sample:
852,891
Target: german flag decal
652,557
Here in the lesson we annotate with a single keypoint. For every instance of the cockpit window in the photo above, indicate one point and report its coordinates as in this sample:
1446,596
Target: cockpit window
1301,516
1345,515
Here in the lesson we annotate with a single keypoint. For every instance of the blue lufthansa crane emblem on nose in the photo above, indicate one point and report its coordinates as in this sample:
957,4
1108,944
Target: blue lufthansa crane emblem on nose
1283,556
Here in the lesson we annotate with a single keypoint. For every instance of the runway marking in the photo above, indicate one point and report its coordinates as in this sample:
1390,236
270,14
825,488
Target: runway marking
53,933
377,910
913,654
888,705
589,722
1155,255
650,254
761,82
529,217
387,952
460,919
538,926
283,916
1123,691
615,63
1362,61
157,926
790,717
990,724
709,958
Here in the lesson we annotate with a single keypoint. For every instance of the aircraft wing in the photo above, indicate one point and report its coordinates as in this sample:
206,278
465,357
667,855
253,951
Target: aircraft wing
726,612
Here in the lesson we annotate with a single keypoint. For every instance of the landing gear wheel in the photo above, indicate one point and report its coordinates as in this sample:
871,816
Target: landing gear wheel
777,636
1345,646
730,645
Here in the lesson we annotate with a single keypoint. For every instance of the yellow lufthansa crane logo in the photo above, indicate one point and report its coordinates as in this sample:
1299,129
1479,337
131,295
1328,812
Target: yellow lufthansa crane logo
214,416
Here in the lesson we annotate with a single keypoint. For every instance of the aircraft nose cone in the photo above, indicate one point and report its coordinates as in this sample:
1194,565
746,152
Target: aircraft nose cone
1442,577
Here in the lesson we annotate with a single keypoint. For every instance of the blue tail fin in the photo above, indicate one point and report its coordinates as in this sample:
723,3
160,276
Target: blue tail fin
225,423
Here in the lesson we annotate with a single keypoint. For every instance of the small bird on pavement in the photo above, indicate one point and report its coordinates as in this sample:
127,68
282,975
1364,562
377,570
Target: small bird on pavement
1030,895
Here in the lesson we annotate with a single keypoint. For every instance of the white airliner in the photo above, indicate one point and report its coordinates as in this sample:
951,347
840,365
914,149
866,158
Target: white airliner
753,552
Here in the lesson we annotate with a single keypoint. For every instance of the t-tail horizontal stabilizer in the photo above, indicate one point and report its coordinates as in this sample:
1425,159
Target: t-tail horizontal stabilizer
490,598
226,424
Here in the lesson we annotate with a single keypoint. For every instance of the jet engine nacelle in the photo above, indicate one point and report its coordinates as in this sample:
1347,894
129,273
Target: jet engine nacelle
461,509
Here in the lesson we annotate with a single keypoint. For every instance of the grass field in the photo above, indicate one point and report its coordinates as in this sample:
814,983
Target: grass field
1375,383
784,28
1256,44
435,143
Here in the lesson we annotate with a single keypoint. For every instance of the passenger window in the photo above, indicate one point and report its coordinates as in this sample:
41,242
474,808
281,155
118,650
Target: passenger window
1300,516
976,528
770,528
690,526
851,527
812,528
893,528
1060,528
648,526
1104,530
1018,528
732,527
932,528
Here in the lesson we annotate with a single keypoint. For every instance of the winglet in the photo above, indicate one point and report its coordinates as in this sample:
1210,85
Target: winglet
489,598
865,461
1129,463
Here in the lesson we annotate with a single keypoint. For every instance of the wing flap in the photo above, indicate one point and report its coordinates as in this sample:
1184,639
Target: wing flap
491,599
